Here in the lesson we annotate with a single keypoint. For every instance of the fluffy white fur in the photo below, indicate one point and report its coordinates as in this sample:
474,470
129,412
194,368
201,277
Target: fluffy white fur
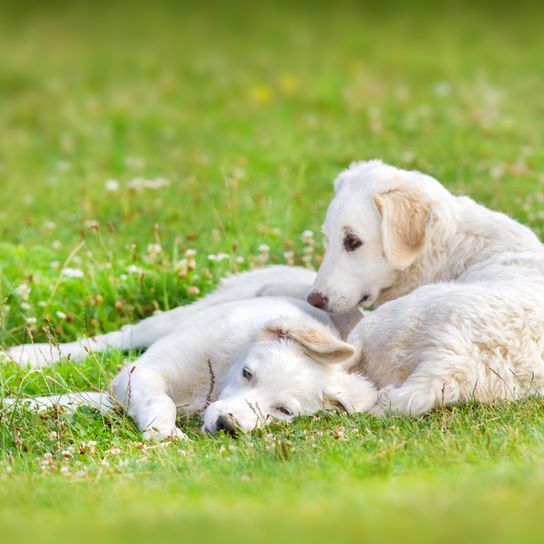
459,290
241,357
291,281
257,360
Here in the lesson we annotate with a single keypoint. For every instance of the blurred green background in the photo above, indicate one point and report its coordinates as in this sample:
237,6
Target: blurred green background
133,132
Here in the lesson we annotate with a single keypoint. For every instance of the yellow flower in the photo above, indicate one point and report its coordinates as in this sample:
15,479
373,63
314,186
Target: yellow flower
288,83
260,94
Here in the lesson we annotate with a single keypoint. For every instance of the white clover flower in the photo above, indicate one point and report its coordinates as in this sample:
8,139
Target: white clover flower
50,225
54,265
153,250
31,320
190,253
222,256
308,234
60,314
72,272
23,291
133,269
56,244
139,183
25,306
111,185
240,259
212,257
264,248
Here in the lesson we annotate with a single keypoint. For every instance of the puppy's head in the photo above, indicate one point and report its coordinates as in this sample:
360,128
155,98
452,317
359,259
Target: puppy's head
375,228
288,371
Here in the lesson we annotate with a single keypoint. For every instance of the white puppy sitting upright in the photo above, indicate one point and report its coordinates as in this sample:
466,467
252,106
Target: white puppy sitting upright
459,290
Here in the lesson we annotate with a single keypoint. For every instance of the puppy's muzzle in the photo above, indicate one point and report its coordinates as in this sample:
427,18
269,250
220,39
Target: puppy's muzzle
226,424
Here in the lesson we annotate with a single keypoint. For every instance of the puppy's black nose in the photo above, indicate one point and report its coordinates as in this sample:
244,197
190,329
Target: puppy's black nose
225,423
317,299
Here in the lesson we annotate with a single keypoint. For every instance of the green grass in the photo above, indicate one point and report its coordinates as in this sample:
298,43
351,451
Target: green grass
249,113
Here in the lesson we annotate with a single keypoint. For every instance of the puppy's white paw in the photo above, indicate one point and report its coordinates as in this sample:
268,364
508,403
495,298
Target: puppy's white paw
159,435
383,404
377,410
34,355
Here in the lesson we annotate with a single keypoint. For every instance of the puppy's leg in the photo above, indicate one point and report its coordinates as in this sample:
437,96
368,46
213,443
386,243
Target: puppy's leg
431,385
239,287
143,394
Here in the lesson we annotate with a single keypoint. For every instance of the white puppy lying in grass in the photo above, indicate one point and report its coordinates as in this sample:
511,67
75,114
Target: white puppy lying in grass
459,290
242,363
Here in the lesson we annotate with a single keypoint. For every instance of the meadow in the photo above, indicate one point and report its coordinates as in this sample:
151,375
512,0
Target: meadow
148,150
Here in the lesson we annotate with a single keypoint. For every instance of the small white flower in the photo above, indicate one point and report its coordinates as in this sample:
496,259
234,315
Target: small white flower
111,185
31,320
72,272
60,314
54,265
264,248
190,253
154,250
442,88
139,184
56,244
23,291
212,257
133,269
50,225
25,306
240,259
308,234
223,256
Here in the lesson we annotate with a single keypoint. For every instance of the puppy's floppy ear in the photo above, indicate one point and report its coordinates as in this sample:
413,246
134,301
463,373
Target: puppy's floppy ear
319,344
350,393
404,223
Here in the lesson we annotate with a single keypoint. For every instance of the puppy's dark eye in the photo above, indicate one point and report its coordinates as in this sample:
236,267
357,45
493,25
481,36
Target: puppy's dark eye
352,241
284,410
247,374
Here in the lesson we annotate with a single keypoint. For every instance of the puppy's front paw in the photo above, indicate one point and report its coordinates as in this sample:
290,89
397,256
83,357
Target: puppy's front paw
159,435
377,410
383,404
